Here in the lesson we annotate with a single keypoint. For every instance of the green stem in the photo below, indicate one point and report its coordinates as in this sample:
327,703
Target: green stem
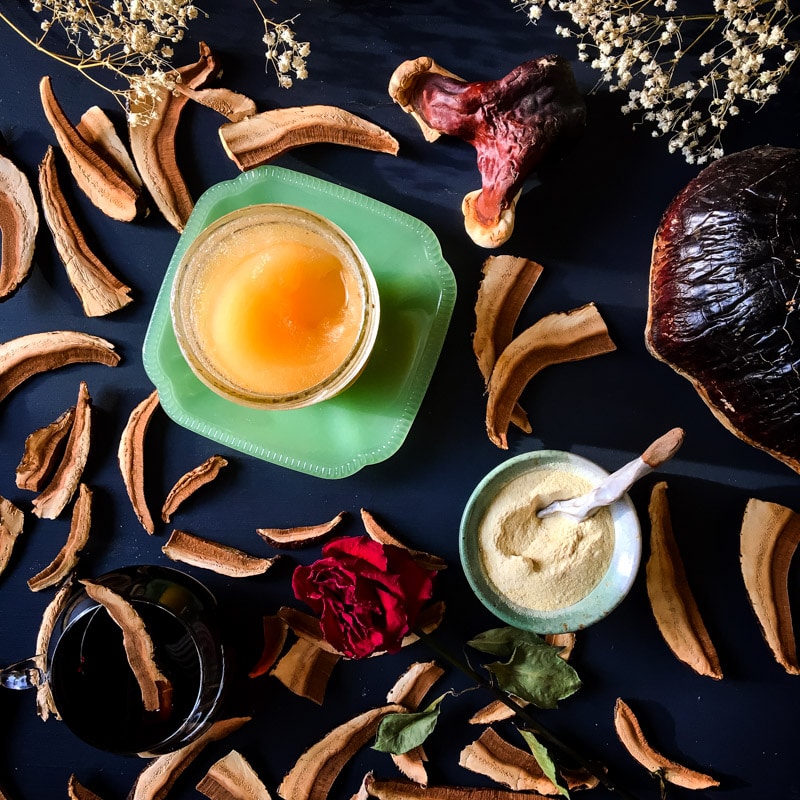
530,723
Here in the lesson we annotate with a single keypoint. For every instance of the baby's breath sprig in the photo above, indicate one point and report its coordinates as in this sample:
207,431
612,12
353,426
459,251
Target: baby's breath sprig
686,72
127,39
284,54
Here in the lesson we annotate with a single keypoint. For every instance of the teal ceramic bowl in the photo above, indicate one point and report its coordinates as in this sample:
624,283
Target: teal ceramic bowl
600,601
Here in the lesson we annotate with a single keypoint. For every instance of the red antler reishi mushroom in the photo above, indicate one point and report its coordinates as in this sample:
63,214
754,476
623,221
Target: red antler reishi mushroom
511,123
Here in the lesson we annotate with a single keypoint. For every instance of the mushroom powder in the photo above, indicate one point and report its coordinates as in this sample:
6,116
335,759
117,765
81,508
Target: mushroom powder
549,563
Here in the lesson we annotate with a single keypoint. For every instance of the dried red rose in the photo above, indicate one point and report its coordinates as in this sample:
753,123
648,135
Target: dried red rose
367,594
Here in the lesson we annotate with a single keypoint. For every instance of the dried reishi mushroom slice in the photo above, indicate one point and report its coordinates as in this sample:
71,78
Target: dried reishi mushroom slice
769,537
76,791
494,757
99,291
154,685
631,736
53,499
305,626
566,641
275,634
67,558
312,776
232,778
99,133
215,556
411,687
300,536
130,455
233,105
406,790
189,483
506,284
153,140
99,178
260,138
19,223
674,606
12,520
512,123
496,711
157,779
412,764
28,355
555,339
379,533
42,452
305,669
45,704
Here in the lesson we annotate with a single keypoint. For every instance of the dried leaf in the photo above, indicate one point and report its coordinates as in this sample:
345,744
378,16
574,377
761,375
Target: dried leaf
301,536
12,520
99,291
675,609
544,760
66,560
155,687
189,483
42,452
554,339
769,537
215,556
401,732
131,457
260,138
26,356
232,778
53,499
19,222
631,736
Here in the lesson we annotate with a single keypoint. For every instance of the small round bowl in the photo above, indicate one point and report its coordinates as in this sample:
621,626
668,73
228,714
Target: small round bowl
204,260
600,601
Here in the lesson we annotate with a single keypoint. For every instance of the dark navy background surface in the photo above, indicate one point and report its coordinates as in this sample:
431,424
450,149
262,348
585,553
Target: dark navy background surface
589,220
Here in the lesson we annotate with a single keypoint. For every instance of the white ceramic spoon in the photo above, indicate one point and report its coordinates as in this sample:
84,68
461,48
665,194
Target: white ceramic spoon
615,485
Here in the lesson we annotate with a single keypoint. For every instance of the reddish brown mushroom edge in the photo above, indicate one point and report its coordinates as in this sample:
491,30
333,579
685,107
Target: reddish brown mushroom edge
511,122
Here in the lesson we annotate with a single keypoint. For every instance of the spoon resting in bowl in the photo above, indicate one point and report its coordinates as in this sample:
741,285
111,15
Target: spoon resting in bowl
610,489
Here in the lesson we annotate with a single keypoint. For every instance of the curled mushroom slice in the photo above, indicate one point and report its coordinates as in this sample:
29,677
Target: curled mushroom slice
189,483
99,291
566,641
674,606
53,499
275,633
157,779
491,755
130,455
411,687
511,122
155,687
232,778
45,704
406,790
99,133
220,558
76,791
153,139
100,178
379,533
19,222
42,451
305,669
230,104
260,138
554,339
12,520
506,285
769,537
312,776
305,626
301,536
67,558
631,736
29,355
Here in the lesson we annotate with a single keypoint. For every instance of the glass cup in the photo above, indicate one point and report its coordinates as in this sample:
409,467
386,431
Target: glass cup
93,688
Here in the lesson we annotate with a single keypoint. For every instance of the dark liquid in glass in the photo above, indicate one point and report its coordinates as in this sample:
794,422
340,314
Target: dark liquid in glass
97,694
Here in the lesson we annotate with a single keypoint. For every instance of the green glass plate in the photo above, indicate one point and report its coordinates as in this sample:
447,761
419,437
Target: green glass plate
368,422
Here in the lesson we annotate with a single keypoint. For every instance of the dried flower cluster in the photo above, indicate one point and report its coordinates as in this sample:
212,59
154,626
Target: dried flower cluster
685,70
284,53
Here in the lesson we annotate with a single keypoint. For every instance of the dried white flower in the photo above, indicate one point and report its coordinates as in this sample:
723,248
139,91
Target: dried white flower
284,54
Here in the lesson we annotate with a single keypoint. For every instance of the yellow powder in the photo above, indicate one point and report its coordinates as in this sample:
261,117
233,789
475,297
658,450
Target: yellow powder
549,563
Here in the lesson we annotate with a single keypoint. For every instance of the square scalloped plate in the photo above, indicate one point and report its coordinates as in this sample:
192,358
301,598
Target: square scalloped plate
368,422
